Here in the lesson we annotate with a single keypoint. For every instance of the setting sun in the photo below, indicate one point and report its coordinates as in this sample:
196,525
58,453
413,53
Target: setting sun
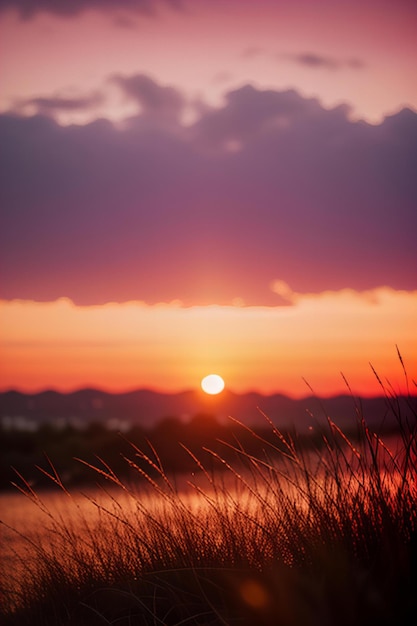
212,384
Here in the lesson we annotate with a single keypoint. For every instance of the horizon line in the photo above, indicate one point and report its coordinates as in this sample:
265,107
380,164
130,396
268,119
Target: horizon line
197,390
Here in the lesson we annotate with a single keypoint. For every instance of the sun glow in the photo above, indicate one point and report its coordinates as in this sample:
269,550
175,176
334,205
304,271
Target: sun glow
212,384
119,347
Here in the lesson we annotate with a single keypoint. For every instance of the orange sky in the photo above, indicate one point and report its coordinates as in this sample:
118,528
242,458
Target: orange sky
168,347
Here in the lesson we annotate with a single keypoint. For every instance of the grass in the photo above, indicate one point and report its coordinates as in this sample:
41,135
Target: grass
286,536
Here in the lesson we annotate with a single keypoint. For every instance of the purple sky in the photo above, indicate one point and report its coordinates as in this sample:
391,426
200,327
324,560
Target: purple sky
294,159
269,186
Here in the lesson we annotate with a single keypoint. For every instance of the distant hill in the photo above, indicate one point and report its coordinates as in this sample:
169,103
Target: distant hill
145,408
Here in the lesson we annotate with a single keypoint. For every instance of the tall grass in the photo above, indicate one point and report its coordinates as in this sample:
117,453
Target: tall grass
289,536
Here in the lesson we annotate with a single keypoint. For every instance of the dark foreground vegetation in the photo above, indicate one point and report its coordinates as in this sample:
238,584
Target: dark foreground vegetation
25,450
284,535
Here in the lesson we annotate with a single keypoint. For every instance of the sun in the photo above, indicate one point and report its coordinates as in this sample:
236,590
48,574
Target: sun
212,384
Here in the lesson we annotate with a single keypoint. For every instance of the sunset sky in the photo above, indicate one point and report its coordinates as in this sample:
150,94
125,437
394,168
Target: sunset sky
198,186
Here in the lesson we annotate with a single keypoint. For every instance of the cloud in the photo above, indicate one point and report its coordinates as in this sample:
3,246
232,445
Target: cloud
250,113
66,8
315,60
319,61
153,99
99,213
56,104
282,289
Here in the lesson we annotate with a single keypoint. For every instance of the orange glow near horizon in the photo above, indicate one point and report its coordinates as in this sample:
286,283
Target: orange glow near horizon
170,348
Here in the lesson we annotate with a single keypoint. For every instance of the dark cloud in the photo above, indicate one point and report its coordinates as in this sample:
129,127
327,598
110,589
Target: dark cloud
249,113
28,8
313,60
57,104
270,186
153,99
316,60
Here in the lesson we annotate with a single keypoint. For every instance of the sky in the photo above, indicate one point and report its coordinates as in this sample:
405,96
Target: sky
194,186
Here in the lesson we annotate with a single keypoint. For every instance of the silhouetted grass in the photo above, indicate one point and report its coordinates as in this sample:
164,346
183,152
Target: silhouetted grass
288,535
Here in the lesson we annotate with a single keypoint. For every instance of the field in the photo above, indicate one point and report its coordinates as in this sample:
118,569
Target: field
278,533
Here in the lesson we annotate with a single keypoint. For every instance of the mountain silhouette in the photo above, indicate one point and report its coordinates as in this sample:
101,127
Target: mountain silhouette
145,408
